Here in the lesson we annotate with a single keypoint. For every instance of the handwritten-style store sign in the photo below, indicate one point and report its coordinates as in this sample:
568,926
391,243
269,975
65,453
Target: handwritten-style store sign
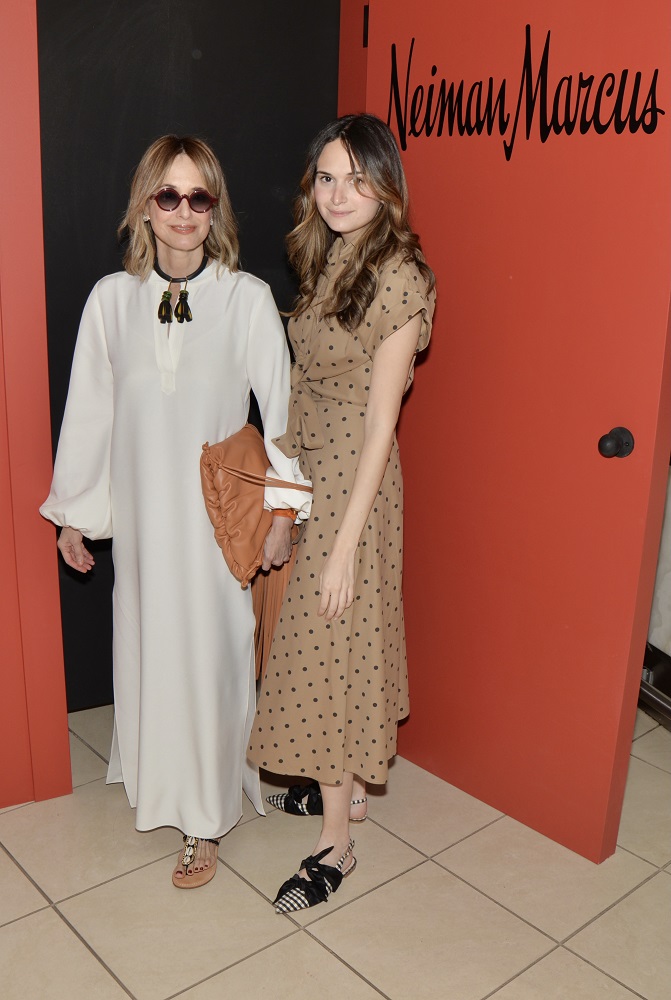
616,101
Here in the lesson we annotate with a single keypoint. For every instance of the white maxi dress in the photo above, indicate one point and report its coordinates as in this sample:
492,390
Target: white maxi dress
143,398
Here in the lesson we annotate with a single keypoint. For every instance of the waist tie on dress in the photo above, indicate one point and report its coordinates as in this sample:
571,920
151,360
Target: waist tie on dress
303,426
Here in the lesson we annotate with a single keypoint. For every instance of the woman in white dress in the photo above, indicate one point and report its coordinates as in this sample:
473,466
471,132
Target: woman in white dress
166,355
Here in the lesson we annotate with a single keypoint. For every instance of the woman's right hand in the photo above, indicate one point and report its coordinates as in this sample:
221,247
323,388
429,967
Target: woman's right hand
73,550
336,584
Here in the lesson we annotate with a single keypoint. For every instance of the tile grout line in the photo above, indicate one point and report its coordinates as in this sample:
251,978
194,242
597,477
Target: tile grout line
296,924
90,949
114,878
633,854
233,965
555,941
49,900
250,885
462,840
607,909
296,928
362,895
560,941
513,979
656,725
342,961
88,746
519,974
424,854
614,979
657,767
19,805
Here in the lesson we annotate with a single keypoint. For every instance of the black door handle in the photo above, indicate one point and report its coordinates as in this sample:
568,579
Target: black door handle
617,444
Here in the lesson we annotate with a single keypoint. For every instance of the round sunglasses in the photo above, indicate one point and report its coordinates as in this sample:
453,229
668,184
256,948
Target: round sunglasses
168,199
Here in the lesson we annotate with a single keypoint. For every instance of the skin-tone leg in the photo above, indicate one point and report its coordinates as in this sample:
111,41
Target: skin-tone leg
335,822
205,856
358,792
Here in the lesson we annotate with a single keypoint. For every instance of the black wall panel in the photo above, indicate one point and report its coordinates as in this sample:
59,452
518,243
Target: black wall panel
256,79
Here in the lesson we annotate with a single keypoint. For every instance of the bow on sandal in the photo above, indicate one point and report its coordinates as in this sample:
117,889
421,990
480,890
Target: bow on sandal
299,893
187,858
306,800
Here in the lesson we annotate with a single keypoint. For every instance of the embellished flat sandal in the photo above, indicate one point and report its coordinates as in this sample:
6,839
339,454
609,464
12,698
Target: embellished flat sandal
306,800
299,893
187,858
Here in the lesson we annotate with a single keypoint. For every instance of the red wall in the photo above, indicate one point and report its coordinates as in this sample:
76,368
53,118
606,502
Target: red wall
353,57
33,714
529,559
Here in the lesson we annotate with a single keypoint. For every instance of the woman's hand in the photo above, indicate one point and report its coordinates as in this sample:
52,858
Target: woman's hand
77,556
277,546
336,584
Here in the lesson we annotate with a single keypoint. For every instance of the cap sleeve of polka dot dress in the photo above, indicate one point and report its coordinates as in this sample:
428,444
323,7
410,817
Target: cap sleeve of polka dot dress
401,295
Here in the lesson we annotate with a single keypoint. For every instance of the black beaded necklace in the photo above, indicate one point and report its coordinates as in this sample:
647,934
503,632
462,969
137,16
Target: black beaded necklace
182,310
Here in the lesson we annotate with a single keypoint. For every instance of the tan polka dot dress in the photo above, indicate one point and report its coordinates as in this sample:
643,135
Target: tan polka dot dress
334,691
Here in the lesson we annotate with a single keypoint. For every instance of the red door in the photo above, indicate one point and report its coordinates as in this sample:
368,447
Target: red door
34,744
538,152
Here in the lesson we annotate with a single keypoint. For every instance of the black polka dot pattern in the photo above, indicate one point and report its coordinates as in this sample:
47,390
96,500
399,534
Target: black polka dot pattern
334,691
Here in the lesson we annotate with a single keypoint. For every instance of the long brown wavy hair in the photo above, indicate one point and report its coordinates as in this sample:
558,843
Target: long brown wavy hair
374,156
221,244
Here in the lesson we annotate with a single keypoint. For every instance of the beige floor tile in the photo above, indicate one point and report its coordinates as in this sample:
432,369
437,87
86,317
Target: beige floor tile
41,959
248,812
631,941
158,939
71,843
562,976
645,826
295,968
18,896
426,812
546,884
94,726
654,748
269,852
427,936
86,765
19,805
643,723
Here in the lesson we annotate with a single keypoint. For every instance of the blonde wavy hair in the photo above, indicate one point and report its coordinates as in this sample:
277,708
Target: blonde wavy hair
221,244
374,157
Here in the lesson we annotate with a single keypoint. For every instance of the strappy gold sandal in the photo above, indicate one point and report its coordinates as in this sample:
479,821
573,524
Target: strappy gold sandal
186,858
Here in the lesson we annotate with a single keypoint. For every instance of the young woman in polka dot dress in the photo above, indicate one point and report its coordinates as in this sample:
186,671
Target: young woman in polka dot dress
336,683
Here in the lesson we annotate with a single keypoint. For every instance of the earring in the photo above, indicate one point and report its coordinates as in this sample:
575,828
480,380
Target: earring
211,223
145,218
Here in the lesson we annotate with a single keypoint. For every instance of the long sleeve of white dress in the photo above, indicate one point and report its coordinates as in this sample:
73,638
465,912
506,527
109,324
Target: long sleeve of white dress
269,377
80,491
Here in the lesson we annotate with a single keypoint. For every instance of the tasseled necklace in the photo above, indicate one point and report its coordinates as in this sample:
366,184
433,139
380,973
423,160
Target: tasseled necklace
182,310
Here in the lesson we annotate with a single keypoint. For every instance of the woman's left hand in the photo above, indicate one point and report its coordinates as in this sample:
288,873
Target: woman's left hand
277,546
336,585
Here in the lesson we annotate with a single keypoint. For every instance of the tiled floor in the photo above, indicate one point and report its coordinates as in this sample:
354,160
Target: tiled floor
451,900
